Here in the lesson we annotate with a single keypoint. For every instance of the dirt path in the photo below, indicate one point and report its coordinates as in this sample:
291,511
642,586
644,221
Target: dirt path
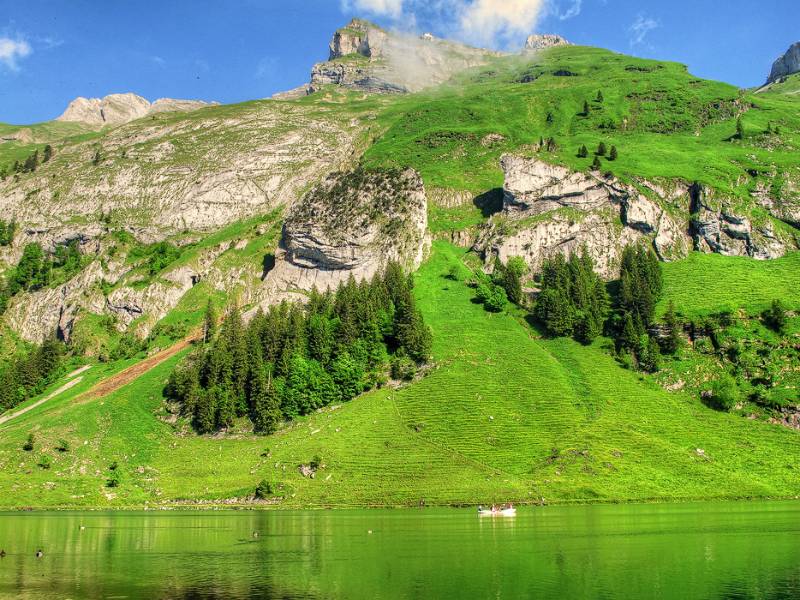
70,384
113,383
123,378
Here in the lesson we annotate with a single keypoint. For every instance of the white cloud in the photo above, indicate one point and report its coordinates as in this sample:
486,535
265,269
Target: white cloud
389,8
573,11
11,51
640,28
490,21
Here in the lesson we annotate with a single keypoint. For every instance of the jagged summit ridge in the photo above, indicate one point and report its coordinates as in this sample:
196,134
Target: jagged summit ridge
787,64
118,109
544,41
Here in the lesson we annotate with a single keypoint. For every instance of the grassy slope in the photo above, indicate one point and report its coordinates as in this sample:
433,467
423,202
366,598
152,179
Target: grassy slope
504,415
665,122
707,283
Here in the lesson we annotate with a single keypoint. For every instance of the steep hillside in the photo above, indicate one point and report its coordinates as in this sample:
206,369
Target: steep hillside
504,416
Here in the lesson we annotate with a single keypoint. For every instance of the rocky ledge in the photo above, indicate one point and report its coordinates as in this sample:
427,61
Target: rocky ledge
549,209
351,224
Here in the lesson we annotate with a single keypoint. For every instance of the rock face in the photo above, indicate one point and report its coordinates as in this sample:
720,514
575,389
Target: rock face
365,57
787,64
156,179
352,224
542,42
118,109
548,210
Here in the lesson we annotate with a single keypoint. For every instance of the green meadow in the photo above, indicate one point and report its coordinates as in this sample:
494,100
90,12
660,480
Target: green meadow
502,415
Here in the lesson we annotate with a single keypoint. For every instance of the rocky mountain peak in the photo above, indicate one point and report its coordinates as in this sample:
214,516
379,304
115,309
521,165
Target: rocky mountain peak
787,64
118,109
354,38
544,41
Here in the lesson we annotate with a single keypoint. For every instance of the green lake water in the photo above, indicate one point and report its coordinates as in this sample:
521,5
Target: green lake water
711,550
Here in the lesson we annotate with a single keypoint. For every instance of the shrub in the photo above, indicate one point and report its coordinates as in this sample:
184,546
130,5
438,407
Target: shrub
775,317
62,446
44,462
403,368
724,394
264,490
29,442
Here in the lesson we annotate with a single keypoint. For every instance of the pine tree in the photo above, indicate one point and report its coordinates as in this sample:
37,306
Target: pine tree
265,403
601,149
596,164
739,129
613,156
47,154
209,323
550,118
600,96
586,108
583,152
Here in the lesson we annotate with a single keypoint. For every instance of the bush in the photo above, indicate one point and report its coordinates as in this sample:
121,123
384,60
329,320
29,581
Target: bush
775,317
264,490
403,368
723,395
62,446
44,462
453,273
28,445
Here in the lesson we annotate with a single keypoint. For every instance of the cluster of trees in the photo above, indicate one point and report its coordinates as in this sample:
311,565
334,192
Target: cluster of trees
297,358
640,288
30,164
573,301
36,269
29,374
505,285
602,150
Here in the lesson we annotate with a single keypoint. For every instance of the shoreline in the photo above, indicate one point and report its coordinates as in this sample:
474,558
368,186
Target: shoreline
276,507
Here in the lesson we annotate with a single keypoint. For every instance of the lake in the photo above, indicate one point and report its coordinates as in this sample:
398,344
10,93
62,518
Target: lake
704,550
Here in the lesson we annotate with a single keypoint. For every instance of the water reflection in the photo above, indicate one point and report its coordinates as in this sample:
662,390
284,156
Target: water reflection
728,551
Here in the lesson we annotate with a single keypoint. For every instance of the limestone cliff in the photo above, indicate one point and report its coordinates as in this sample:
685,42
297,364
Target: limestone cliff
352,224
118,109
548,209
787,64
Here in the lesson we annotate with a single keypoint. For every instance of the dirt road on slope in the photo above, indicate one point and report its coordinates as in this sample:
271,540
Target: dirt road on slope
123,378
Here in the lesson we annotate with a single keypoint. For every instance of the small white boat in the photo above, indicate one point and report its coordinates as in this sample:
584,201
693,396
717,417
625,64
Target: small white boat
497,512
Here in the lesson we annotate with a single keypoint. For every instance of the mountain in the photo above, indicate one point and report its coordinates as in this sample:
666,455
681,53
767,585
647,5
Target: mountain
118,109
788,64
469,168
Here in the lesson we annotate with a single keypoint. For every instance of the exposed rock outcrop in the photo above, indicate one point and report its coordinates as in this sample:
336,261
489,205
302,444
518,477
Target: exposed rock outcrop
366,57
549,209
542,42
352,224
156,179
787,64
118,109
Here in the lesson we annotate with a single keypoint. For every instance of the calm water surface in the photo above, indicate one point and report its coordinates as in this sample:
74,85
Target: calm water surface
716,550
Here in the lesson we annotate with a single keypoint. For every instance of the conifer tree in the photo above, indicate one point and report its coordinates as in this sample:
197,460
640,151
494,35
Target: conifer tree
209,323
613,155
739,129
601,149
596,164
586,108
583,152
600,96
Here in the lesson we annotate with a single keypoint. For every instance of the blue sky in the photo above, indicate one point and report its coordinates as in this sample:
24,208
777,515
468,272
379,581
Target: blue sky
54,50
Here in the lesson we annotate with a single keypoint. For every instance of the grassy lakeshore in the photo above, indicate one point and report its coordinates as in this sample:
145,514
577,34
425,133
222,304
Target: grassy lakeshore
502,416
